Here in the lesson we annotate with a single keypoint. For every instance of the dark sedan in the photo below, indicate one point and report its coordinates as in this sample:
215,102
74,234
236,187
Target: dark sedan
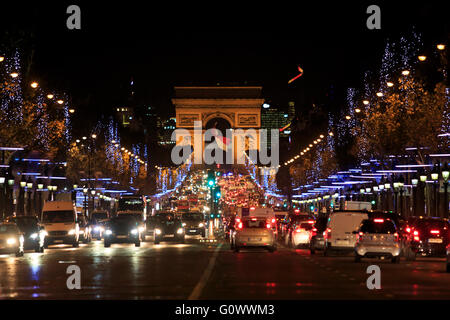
122,229
169,227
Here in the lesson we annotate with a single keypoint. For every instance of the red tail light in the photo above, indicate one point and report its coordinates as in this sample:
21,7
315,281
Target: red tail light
396,237
314,231
416,235
273,220
435,232
408,229
240,225
268,226
310,221
296,210
378,220
327,233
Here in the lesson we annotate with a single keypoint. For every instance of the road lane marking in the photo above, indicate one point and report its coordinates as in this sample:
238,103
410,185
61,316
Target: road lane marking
195,294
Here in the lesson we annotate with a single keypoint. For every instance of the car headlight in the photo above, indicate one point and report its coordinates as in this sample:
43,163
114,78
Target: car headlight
82,231
34,236
201,225
183,224
11,241
158,231
134,231
44,233
141,229
72,231
180,230
108,232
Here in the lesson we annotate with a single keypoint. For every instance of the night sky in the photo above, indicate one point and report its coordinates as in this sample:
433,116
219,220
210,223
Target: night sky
173,44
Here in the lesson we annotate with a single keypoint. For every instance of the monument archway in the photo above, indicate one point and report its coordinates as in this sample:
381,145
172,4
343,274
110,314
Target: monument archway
229,107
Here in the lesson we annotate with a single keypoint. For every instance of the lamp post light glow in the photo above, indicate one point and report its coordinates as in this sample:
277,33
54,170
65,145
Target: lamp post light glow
441,46
405,72
379,94
72,110
422,58
23,184
414,181
366,102
390,84
434,176
357,110
14,74
2,59
348,117
60,101
34,85
50,96
423,177
40,186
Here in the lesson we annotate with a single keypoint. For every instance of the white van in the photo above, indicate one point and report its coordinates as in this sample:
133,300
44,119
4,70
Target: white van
339,232
59,219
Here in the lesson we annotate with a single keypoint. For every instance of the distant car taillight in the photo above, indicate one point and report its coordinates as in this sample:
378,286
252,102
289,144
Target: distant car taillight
416,235
273,220
327,233
240,225
268,226
314,231
435,232
408,229
396,238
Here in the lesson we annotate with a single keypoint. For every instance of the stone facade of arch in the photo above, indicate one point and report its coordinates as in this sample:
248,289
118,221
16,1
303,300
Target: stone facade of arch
240,106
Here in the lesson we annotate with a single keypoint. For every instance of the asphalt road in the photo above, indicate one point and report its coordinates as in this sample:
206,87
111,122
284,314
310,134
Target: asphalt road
198,270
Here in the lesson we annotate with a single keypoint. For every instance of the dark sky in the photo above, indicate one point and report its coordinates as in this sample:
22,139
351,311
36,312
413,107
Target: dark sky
174,44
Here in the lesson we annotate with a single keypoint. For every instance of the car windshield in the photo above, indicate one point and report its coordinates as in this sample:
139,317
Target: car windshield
123,220
136,216
372,226
8,229
254,223
100,215
58,216
193,217
26,222
432,223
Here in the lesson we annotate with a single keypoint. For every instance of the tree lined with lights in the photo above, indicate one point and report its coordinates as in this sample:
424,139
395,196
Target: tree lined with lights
27,118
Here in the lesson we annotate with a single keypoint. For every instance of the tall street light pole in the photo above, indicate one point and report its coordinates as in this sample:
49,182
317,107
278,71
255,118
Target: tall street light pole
445,176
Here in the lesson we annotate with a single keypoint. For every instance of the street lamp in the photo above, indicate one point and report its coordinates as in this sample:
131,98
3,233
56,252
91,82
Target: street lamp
441,46
445,176
422,58
435,178
34,85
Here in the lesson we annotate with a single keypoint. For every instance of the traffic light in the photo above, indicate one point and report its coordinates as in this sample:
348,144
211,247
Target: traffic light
211,181
216,193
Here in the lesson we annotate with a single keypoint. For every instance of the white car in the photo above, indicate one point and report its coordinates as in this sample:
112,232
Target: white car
378,238
339,234
300,235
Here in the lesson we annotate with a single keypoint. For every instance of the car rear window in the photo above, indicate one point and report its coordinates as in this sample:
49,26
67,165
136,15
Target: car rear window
254,224
370,226
431,224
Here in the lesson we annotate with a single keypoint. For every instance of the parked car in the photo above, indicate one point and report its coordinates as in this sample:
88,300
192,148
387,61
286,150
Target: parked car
339,234
34,234
426,236
11,239
378,237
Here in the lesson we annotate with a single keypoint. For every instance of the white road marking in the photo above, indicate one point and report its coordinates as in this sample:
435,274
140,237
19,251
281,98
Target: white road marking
195,294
